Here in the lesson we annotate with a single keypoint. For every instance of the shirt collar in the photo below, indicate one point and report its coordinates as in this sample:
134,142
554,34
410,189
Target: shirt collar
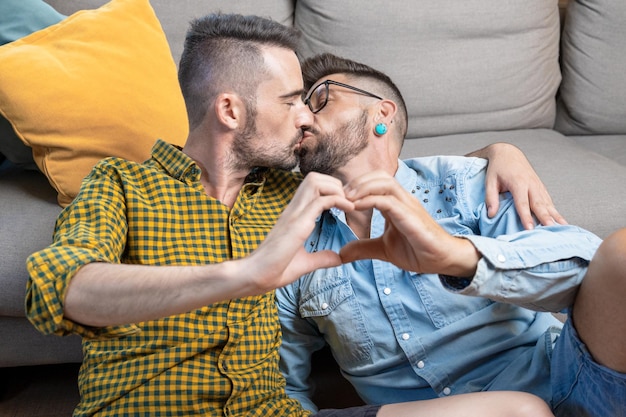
406,176
175,162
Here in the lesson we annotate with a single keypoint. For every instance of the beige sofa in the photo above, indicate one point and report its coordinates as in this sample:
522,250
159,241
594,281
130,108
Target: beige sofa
547,76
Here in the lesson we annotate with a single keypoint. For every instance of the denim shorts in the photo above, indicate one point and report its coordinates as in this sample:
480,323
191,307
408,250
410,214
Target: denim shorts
580,386
363,411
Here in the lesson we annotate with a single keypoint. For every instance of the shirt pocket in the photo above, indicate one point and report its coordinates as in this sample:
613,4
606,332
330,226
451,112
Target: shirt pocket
337,314
442,306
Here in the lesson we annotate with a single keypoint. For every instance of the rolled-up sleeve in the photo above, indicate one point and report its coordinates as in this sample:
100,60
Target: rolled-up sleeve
539,269
92,229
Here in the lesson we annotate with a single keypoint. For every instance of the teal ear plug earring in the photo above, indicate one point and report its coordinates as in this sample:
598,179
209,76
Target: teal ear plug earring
380,129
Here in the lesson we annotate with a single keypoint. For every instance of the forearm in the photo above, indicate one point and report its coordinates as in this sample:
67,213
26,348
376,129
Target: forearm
462,260
104,294
491,151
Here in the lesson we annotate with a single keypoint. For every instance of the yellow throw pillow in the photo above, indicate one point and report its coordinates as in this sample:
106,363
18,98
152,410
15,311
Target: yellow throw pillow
99,83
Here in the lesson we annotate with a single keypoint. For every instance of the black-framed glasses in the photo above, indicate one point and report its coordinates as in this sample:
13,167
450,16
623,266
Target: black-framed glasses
317,96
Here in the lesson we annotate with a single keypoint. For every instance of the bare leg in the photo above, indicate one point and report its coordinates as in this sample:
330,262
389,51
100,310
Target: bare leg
479,404
600,307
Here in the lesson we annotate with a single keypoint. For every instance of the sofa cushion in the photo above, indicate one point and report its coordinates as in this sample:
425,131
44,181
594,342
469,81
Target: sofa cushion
592,97
463,66
24,345
13,148
611,146
19,18
99,83
28,209
586,187
176,15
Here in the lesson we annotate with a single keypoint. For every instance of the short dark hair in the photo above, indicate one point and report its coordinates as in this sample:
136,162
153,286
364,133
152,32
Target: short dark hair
322,65
223,52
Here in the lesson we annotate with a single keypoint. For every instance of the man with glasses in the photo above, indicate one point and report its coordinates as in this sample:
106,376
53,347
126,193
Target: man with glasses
398,315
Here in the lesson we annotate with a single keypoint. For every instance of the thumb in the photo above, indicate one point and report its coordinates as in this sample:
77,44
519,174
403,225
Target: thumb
324,259
307,262
362,249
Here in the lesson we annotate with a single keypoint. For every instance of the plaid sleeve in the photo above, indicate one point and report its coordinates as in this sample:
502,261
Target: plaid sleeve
92,229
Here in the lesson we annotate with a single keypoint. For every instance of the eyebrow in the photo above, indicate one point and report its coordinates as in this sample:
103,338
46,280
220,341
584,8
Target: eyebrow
296,93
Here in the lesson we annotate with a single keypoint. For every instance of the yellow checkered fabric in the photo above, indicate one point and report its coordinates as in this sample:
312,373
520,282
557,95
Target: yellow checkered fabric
218,360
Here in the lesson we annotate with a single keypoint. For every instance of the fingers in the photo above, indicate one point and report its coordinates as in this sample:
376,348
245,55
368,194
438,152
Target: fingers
362,249
542,206
492,195
522,205
556,215
326,190
376,183
318,192
381,191
510,170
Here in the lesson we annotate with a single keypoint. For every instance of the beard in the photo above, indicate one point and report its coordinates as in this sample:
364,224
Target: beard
249,151
333,151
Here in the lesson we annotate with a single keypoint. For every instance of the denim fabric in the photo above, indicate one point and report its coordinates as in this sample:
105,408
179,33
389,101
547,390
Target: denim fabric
581,387
402,336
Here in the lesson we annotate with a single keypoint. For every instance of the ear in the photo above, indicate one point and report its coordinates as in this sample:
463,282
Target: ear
230,110
386,111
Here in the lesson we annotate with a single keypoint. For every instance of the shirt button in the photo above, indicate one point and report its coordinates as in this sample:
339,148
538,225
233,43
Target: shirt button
324,306
387,291
501,258
421,364
447,391
406,336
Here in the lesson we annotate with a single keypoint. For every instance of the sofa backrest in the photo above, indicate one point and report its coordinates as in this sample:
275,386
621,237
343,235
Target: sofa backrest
463,65
592,97
175,15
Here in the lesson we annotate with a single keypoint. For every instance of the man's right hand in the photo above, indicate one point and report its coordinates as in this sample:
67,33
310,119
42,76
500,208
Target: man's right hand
412,239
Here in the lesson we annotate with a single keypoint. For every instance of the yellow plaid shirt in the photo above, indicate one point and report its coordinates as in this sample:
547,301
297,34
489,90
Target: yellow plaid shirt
221,359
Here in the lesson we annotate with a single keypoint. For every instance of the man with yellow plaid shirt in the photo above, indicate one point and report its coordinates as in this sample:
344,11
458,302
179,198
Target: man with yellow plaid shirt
160,267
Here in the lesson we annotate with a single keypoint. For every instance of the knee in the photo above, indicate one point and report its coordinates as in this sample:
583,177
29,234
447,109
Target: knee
532,406
611,255
615,243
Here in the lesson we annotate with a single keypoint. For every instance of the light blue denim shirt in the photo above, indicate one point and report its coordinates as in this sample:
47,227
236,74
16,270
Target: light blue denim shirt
401,336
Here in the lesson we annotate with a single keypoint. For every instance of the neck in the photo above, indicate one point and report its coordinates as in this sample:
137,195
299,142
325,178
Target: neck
220,178
360,223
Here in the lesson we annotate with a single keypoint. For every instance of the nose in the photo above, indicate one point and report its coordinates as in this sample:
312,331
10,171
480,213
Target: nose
305,117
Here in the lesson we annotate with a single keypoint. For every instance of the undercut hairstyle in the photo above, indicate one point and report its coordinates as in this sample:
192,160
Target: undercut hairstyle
223,53
322,65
